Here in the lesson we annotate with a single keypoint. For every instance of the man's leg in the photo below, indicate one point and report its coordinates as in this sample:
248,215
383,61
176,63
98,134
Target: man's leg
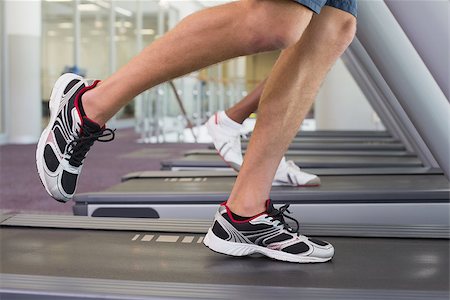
200,40
248,105
78,109
287,97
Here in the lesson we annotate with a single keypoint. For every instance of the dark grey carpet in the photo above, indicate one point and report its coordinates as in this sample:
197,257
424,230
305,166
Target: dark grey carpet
22,191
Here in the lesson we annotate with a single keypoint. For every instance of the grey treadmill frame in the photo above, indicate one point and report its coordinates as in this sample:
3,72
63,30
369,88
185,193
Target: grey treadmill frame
204,162
398,62
13,286
378,207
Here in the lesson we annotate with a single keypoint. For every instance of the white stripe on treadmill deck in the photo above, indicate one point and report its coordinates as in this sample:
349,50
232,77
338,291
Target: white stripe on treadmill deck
186,179
167,238
147,238
200,239
187,239
136,237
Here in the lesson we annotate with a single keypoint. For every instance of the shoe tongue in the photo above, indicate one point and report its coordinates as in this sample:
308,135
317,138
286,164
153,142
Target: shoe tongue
270,209
90,126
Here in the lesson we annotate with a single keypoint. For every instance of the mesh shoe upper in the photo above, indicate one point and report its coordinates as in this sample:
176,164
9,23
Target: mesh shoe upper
67,139
269,230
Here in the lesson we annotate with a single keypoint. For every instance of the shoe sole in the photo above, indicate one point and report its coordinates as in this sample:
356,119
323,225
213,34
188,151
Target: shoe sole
54,105
240,249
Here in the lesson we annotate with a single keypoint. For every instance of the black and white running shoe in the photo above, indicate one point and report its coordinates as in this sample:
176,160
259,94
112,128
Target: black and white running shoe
68,137
267,234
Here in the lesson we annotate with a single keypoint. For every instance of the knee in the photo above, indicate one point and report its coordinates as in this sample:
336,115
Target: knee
340,33
274,25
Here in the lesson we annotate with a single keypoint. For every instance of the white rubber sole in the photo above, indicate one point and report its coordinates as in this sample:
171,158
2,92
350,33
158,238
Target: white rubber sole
54,104
240,249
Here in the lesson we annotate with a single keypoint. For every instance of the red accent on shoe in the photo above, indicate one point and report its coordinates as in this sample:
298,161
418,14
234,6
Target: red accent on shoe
216,120
243,221
78,98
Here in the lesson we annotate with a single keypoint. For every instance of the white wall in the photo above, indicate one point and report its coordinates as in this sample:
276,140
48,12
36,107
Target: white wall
341,105
23,70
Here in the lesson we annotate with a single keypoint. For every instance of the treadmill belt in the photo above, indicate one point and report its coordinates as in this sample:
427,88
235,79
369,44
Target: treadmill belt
344,133
331,140
341,146
311,161
359,263
429,186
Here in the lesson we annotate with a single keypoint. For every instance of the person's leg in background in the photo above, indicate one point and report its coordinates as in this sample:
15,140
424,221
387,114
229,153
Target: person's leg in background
225,128
202,39
248,105
248,223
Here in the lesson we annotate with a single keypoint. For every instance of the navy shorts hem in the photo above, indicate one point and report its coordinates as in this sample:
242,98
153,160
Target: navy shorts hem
349,6
315,6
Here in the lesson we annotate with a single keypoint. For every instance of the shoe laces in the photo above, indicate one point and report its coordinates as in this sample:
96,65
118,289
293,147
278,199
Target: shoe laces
280,214
79,146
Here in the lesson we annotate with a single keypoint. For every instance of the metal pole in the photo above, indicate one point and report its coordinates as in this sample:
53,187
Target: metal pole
112,38
140,105
76,34
160,101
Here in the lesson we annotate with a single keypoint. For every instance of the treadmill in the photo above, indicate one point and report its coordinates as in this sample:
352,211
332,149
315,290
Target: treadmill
345,133
205,160
413,199
331,140
74,258
324,152
341,146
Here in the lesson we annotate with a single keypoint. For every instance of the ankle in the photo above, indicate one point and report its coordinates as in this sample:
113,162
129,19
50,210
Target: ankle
246,210
91,109
235,116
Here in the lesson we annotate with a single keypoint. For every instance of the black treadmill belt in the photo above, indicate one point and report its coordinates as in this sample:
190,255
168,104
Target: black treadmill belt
344,133
359,263
341,146
324,152
311,161
397,186
331,140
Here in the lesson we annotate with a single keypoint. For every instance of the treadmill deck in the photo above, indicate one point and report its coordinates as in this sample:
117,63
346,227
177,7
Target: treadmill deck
361,263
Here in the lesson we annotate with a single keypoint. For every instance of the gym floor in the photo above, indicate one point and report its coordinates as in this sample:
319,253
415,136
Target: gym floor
21,190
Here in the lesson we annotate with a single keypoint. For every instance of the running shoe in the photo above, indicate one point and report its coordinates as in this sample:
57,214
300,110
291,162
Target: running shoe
227,141
267,233
289,174
66,140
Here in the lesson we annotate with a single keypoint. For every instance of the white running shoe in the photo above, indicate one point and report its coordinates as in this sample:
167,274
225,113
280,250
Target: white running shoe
227,141
288,173
67,138
267,234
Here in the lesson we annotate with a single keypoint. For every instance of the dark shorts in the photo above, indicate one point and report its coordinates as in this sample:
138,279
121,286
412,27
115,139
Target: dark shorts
349,6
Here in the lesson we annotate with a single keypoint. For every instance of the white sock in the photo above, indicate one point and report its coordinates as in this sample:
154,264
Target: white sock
224,120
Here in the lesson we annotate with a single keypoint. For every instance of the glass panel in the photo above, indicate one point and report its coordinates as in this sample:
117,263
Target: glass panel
57,45
94,44
2,36
125,42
